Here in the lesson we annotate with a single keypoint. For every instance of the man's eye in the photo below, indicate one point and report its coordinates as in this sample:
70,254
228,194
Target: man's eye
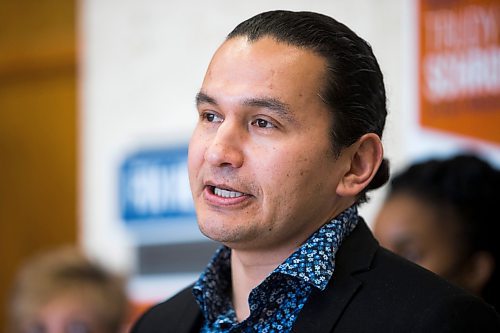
263,123
211,117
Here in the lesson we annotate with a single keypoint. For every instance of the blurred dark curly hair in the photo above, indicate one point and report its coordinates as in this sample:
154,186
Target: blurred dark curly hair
468,186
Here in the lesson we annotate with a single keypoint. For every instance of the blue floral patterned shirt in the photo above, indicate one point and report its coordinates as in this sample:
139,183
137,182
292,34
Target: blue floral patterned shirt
277,301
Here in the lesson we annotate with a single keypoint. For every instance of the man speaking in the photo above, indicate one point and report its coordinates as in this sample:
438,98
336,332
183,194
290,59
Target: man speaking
288,142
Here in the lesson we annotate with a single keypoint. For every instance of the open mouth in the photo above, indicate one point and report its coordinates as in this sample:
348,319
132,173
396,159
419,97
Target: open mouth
225,193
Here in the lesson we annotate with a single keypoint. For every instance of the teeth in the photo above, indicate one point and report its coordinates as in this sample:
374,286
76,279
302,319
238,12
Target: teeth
227,194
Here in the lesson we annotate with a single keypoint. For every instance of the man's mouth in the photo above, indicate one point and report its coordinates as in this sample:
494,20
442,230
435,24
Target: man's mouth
223,193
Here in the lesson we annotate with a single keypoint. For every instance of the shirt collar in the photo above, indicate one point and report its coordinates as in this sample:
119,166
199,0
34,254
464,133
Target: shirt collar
214,285
314,261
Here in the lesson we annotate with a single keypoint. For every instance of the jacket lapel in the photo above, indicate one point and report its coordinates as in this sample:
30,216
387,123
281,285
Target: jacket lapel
191,320
189,315
324,308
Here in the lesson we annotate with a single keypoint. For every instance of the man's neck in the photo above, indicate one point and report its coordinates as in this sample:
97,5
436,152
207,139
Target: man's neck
248,270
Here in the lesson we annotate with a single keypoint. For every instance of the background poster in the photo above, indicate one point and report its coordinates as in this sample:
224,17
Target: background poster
459,67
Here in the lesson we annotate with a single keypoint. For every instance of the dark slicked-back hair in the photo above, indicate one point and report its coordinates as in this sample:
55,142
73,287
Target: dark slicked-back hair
353,88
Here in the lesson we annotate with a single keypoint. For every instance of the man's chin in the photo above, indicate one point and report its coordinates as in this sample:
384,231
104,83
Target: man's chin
215,234
229,236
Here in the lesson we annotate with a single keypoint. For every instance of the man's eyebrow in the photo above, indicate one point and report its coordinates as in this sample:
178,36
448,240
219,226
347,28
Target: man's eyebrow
269,103
201,98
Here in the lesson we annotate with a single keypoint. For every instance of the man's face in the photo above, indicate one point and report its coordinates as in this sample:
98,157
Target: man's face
261,166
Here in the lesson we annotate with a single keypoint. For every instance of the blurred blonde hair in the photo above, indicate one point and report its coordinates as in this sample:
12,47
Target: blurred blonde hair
66,271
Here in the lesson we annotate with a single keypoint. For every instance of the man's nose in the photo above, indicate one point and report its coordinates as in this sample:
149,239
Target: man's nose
225,149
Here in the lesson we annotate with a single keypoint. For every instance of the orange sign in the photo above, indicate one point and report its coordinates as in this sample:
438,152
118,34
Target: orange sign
459,67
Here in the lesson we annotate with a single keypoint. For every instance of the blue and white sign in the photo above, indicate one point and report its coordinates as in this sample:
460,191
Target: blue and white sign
154,185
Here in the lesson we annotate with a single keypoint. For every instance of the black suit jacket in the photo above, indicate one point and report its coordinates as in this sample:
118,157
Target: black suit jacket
372,290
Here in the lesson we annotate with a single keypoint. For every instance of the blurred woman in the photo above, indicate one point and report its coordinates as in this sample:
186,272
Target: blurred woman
443,215
64,292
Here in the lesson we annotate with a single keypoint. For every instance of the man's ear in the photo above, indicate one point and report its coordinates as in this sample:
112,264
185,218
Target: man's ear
364,158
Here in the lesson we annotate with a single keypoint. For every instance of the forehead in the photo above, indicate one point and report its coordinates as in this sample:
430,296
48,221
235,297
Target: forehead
406,209
264,67
405,212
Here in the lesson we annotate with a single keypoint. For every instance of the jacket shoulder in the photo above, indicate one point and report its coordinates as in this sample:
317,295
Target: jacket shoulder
412,298
177,314
374,290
